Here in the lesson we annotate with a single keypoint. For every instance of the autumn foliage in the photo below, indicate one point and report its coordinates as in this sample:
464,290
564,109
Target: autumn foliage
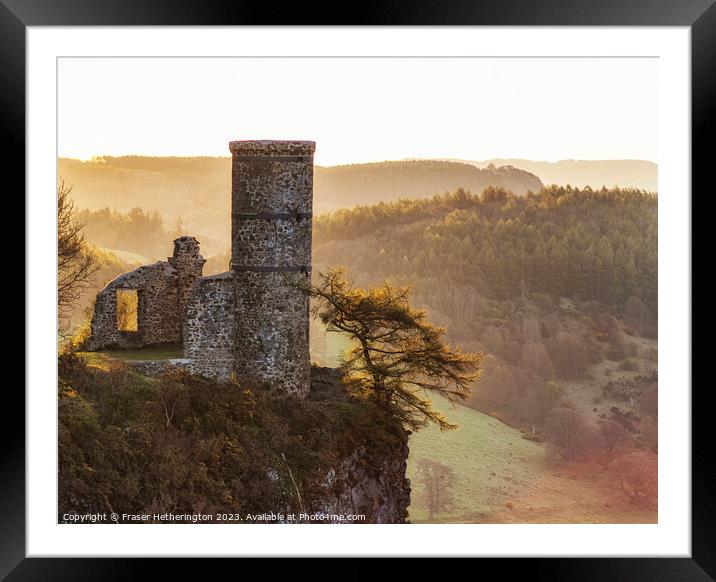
398,357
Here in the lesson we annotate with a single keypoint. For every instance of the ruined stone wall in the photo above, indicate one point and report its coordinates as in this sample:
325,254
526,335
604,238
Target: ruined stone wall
162,289
209,327
272,204
189,265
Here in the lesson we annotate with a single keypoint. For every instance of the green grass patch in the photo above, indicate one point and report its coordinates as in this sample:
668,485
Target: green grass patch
164,352
491,460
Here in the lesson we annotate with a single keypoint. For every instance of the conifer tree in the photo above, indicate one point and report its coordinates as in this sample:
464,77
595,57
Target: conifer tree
398,357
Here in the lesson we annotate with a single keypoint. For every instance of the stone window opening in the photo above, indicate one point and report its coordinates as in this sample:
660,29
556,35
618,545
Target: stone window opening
128,310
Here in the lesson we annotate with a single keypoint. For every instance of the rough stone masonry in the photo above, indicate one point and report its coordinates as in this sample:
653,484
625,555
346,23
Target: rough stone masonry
272,205
253,320
161,288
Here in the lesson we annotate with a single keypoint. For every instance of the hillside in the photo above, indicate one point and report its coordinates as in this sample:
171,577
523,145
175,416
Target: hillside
557,289
198,190
503,478
491,461
590,245
346,186
581,173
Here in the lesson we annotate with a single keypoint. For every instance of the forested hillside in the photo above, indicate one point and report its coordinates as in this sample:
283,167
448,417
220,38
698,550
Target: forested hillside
194,190
558,289
139,232
582,244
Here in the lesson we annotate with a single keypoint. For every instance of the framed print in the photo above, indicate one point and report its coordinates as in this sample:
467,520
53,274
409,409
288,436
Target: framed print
414,284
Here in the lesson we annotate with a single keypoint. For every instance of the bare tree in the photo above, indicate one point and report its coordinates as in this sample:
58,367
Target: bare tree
636,474
570,356
172,394
536,359
614,436
76,263
570,431
437,480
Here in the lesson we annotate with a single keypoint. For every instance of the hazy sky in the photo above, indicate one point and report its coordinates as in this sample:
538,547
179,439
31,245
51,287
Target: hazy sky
361,110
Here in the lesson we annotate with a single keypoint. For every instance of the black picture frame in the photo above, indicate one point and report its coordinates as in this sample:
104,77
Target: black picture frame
17,15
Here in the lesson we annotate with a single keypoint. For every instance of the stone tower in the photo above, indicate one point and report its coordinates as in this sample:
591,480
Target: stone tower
272,204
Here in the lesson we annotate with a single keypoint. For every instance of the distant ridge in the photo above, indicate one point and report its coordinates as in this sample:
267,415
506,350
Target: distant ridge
358,184
580,173
197,189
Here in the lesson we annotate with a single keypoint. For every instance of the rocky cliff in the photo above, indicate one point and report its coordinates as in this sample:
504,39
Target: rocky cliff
380,492
156,441
367,478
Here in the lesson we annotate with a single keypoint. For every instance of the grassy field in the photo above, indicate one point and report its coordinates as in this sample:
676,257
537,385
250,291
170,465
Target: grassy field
492,462
503,478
